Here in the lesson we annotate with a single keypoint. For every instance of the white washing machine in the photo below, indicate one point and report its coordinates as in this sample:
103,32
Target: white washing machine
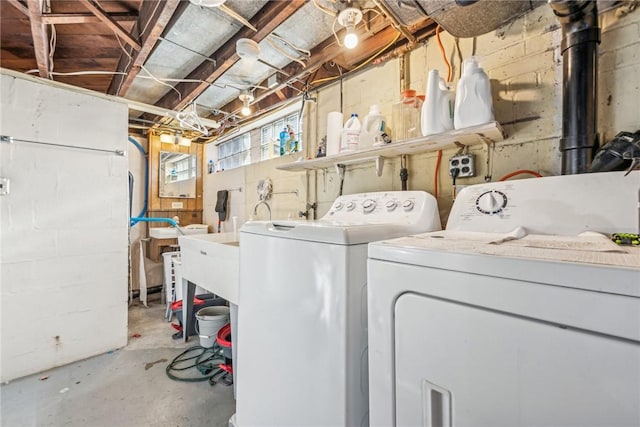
513,316
302,316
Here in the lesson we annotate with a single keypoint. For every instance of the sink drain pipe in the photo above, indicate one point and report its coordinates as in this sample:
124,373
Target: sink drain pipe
580,39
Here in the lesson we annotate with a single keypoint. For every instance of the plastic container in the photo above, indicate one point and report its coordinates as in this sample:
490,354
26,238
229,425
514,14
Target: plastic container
284,135
474,105
351,134
334,132
406,116
210,320
437,110
373,129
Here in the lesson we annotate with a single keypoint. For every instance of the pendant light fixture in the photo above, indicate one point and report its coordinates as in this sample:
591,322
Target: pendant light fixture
246,97
349,18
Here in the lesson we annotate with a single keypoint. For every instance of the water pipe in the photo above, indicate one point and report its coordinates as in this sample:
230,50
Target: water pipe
146,177
136,220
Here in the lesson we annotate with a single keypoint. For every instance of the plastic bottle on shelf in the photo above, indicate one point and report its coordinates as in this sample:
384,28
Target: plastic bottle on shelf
373,129
437,110
284,135
406,116
351,134
474,105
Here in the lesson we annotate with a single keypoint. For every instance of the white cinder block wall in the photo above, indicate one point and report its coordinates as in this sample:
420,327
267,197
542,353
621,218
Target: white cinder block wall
63,241
524,63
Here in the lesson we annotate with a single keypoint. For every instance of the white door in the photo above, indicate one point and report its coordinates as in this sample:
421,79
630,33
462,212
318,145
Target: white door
462,365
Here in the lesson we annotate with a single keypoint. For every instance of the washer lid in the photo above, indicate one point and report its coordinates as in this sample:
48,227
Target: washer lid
327,231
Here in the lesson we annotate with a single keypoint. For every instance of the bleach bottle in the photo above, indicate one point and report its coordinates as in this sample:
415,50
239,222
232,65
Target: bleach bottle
474,105
373,129
350,134
437,110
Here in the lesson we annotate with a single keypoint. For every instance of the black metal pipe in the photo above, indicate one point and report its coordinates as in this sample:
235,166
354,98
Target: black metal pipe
580,39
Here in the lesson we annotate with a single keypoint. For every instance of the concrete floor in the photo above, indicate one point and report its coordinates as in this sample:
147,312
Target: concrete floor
127,387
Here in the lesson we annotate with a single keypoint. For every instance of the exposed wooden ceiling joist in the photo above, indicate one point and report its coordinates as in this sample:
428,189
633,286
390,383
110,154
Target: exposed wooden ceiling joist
83,18
266,21
40,37
22,8
155,23
109,22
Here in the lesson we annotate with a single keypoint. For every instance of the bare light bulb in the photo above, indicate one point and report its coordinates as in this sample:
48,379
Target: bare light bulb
246,110
350,39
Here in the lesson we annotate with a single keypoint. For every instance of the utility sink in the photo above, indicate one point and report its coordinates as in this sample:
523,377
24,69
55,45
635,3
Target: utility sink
212,261
172,233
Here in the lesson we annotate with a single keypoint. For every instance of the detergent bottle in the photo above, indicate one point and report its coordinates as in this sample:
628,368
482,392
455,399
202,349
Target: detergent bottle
473,105
284,135
373,129
351,134
437,110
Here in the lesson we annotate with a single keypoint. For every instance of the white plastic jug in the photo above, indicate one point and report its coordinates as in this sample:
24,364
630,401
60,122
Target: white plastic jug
474,105
437,110
351,134
373,129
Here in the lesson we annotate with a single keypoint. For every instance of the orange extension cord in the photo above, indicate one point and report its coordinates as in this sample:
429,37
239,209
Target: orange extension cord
520,172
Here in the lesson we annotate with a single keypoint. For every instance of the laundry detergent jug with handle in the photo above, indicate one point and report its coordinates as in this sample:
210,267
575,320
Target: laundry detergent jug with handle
373,129
474,105
350,134
437,110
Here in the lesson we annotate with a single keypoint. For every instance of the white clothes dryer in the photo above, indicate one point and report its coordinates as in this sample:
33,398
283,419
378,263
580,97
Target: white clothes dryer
302,338
519,314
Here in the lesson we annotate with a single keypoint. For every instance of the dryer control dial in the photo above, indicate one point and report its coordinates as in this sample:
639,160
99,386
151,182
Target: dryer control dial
338,205
408,205
351,206
391,205
368,205
491,202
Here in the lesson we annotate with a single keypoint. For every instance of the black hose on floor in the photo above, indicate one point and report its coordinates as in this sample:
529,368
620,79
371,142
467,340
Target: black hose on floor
205,360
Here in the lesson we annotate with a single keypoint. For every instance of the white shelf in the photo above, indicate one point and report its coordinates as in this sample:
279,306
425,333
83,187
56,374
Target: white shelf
490,132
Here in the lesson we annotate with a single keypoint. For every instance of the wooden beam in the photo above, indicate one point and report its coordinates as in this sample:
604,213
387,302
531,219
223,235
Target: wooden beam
155,25
40,37
84,18
22,8
109,22
266,21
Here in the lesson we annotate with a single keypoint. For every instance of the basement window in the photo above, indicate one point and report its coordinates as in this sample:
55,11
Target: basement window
235,152
270,145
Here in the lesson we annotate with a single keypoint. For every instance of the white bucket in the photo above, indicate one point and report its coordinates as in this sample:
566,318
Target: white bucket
210,320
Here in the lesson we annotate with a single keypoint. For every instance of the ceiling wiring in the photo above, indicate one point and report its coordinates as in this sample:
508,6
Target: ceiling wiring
288,43
283,52
374,56
326,10
202,55
142,67
52,48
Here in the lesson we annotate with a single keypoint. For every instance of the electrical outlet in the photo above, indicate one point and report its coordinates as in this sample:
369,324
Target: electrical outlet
463,165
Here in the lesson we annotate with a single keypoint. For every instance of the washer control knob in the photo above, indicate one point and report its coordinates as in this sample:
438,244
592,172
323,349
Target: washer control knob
391,205
491,202
338,205
408,205
351,206
368,205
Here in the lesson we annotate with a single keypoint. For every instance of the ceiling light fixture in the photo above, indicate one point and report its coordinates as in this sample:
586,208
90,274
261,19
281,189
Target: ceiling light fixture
246,97
349,18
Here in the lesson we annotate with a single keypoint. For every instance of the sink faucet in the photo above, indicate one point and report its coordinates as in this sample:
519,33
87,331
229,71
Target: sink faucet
262,202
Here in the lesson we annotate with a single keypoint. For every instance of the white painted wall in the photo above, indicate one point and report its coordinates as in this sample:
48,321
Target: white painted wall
63,241
523,61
